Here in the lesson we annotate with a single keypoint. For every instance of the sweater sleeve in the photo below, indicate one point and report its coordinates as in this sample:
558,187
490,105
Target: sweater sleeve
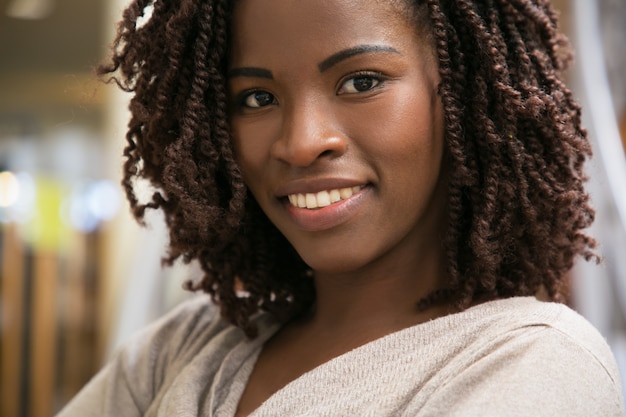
534,371
127,385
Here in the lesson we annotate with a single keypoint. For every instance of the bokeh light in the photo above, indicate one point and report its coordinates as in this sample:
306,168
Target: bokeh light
9,189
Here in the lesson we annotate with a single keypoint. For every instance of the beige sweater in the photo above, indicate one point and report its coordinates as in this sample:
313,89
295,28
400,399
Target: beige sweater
514,357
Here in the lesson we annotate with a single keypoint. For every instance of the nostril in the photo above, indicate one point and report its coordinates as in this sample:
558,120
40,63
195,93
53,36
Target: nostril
304,147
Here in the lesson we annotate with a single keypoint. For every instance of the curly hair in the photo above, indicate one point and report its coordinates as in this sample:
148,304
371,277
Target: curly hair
514,140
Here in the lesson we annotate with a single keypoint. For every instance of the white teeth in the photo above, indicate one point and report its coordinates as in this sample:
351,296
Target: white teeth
311,201
345,193
323,198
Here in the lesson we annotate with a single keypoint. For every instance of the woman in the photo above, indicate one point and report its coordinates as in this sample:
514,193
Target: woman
378,192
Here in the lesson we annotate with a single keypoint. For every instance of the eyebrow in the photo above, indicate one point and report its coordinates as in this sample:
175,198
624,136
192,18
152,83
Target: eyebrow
326,64
336,58
250,72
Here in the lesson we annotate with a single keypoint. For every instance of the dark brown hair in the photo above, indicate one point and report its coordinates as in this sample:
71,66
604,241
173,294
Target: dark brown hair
515,148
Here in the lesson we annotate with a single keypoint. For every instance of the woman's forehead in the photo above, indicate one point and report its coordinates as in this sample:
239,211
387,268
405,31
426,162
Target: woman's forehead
320,12
268,26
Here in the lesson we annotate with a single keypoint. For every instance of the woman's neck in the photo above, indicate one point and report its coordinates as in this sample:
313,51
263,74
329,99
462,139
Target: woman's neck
380,298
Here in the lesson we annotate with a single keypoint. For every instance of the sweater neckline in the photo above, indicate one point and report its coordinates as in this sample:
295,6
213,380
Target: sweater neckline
422,334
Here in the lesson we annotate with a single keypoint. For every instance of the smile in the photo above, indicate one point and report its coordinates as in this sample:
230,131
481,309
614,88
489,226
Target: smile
322,198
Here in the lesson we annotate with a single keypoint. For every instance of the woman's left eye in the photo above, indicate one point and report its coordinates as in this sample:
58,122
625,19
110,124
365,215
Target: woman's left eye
360,84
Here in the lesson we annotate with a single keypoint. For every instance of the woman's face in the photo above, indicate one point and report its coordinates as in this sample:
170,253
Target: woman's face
338,128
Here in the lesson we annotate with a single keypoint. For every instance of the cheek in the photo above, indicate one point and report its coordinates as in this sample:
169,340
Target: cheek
409,126
251,145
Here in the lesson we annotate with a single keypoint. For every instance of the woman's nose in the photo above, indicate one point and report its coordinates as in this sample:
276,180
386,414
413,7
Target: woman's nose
309,133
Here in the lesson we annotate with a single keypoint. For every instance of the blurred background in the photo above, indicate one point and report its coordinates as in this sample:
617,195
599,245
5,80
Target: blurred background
78,276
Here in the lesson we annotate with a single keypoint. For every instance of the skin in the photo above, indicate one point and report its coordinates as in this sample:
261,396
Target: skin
307,116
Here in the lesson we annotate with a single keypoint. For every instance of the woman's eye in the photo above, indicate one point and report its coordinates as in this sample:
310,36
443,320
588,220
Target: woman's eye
359,84
258,99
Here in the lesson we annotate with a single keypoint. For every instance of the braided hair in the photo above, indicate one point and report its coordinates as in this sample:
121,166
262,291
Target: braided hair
514,140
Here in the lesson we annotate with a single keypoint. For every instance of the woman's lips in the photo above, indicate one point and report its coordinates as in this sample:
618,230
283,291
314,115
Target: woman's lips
323,198
315,212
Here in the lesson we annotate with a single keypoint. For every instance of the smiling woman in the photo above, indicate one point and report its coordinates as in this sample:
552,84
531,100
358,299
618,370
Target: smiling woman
359,115
385,198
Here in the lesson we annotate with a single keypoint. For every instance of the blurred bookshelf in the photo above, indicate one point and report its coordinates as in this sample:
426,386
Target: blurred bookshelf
54,186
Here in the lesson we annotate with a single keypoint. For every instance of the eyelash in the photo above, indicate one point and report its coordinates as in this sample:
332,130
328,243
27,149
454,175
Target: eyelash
244,96
376,77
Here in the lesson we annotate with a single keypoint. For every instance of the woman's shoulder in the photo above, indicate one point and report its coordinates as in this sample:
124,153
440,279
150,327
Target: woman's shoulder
147,365
174,331
536,355
516,357
519,313
193,326
187,317
546,323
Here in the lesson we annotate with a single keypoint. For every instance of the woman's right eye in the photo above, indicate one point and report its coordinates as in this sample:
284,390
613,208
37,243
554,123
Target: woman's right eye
258,99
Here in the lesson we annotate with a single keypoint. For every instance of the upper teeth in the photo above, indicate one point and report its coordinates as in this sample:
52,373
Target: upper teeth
323,198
